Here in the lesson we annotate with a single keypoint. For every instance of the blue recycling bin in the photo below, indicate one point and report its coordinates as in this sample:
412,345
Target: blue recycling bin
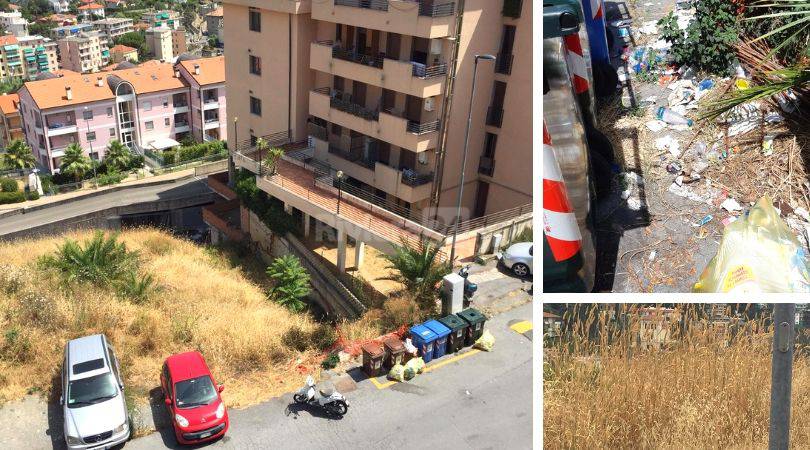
441,331
423,339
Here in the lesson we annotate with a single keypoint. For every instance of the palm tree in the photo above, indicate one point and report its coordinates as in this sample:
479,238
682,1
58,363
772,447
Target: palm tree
786,25
118,156
272,154
75,162
18,155
419,269
291,282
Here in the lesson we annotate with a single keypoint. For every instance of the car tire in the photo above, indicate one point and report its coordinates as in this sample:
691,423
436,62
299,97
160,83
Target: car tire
520,270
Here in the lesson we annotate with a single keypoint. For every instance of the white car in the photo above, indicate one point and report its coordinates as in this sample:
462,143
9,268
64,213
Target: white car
92,395
518,258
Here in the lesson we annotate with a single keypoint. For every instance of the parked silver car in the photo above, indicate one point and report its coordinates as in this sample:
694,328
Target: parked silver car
93,395
519,259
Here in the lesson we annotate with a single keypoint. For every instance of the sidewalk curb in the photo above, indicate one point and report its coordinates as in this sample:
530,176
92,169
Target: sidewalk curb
27,209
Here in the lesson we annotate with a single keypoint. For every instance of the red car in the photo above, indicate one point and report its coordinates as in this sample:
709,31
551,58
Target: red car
192,397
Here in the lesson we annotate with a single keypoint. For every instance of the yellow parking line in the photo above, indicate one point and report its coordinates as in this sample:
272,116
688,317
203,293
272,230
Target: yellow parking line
429,368
521,327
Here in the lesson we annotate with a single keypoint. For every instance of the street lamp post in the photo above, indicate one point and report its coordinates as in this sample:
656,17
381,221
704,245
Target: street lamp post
92,161
339,177
485,57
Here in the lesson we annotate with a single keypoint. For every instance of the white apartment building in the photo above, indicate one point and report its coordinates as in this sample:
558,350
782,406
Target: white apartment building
114,27
87,52
14,23
159,42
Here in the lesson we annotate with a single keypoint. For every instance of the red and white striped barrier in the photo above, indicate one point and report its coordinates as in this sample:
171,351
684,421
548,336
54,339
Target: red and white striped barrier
596,8
576,62
559,221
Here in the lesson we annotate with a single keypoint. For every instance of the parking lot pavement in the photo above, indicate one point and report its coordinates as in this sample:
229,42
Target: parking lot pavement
498,288
479,401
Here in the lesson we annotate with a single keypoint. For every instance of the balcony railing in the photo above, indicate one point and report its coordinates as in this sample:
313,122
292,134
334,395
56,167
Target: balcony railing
354,157
57,125
210,100
412,178
181,104
317,131
494,116
421,71
486,166
342,101
421,128
430,8
380,5
353,56
211,119
504,63
511,8
180,124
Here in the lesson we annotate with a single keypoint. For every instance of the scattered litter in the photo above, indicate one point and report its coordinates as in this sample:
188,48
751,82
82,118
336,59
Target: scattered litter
767,144
773,117
669,143
787,101
728,220
652,255
485,342
671,117
656,125
674,167
634,203
731,205
650,27
803,213
742,118
739,71
679,180
742,84
704,221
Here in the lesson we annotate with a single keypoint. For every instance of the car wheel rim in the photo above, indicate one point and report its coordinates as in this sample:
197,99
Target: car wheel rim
520,270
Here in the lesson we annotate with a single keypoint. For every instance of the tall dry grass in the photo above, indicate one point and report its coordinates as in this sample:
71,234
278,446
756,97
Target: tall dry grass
204,305
709,387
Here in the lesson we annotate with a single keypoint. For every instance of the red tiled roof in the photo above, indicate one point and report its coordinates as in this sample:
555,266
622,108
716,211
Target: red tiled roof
8,39
120,48
9,103
91,6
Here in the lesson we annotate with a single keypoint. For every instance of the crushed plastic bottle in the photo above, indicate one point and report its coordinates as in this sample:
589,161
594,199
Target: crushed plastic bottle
671,117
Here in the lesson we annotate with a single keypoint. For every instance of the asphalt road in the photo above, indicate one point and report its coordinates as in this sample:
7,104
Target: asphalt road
178,189
481,401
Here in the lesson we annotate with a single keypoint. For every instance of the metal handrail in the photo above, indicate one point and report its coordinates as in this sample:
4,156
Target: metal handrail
380,5
421,128
340,101
359,58
430,9
353,158
416,179
420,71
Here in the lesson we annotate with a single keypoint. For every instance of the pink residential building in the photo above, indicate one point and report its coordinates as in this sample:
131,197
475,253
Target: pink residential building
206,78
144,107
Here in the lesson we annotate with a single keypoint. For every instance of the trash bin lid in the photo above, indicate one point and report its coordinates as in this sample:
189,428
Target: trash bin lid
423,333
394,345
472,316
438,328
373,349
453,322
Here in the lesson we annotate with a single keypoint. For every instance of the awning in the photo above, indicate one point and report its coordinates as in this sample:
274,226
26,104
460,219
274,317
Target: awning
163,143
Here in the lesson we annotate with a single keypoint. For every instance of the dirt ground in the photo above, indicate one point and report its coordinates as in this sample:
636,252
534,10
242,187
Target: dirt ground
373,270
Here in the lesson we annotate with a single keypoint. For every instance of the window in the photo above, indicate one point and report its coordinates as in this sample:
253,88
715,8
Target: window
87,114
255,106
167,122
147,106
255,20
150,125
109,111
337,130
255,65
112,132
166,102
91,135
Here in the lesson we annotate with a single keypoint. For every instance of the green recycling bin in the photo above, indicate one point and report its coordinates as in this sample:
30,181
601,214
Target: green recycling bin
458,329
476,321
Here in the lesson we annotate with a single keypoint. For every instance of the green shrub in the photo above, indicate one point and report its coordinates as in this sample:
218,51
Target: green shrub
707,43
290,282
102,261
33,195
137,289
8,185
11,197
112,177
331,361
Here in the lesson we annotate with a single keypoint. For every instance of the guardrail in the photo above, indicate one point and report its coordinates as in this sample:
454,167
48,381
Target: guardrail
359,58
421,128
341,101
421,71
430,9
380,5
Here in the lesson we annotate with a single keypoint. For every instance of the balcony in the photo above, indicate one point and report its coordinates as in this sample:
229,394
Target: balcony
354,156
503,63
333,106
494,116
211,123
210,103
413,179
402,76
422,18
181,127
486,166
60,128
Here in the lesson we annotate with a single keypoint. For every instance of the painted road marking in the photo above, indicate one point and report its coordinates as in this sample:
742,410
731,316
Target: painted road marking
441,363
521,327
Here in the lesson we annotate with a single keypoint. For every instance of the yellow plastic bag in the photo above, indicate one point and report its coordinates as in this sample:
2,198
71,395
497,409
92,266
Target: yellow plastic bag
397,373
485,342
758,253
417,364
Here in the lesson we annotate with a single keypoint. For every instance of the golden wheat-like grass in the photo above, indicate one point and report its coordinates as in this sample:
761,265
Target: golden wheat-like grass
204,305
705,389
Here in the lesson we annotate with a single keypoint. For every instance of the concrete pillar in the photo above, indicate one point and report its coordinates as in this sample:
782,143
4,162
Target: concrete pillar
359,253
341,251
306,224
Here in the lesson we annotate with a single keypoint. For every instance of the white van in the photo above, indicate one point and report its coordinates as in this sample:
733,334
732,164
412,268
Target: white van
93,395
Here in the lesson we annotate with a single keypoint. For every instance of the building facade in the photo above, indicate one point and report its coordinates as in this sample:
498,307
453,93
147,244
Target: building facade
206,79
368,85
214,23
91,11
85,52
14,23
119,53
162,19
159,42
179,45
114,27
71,30
60,6
139,107
26,57
10,122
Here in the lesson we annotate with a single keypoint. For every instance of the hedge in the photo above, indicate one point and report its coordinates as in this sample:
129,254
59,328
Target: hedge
8,185
11,197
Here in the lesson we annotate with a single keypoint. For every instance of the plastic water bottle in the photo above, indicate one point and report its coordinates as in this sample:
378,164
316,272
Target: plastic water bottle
671,117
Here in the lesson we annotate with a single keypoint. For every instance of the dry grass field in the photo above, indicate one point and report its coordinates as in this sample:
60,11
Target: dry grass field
203,304
706,388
